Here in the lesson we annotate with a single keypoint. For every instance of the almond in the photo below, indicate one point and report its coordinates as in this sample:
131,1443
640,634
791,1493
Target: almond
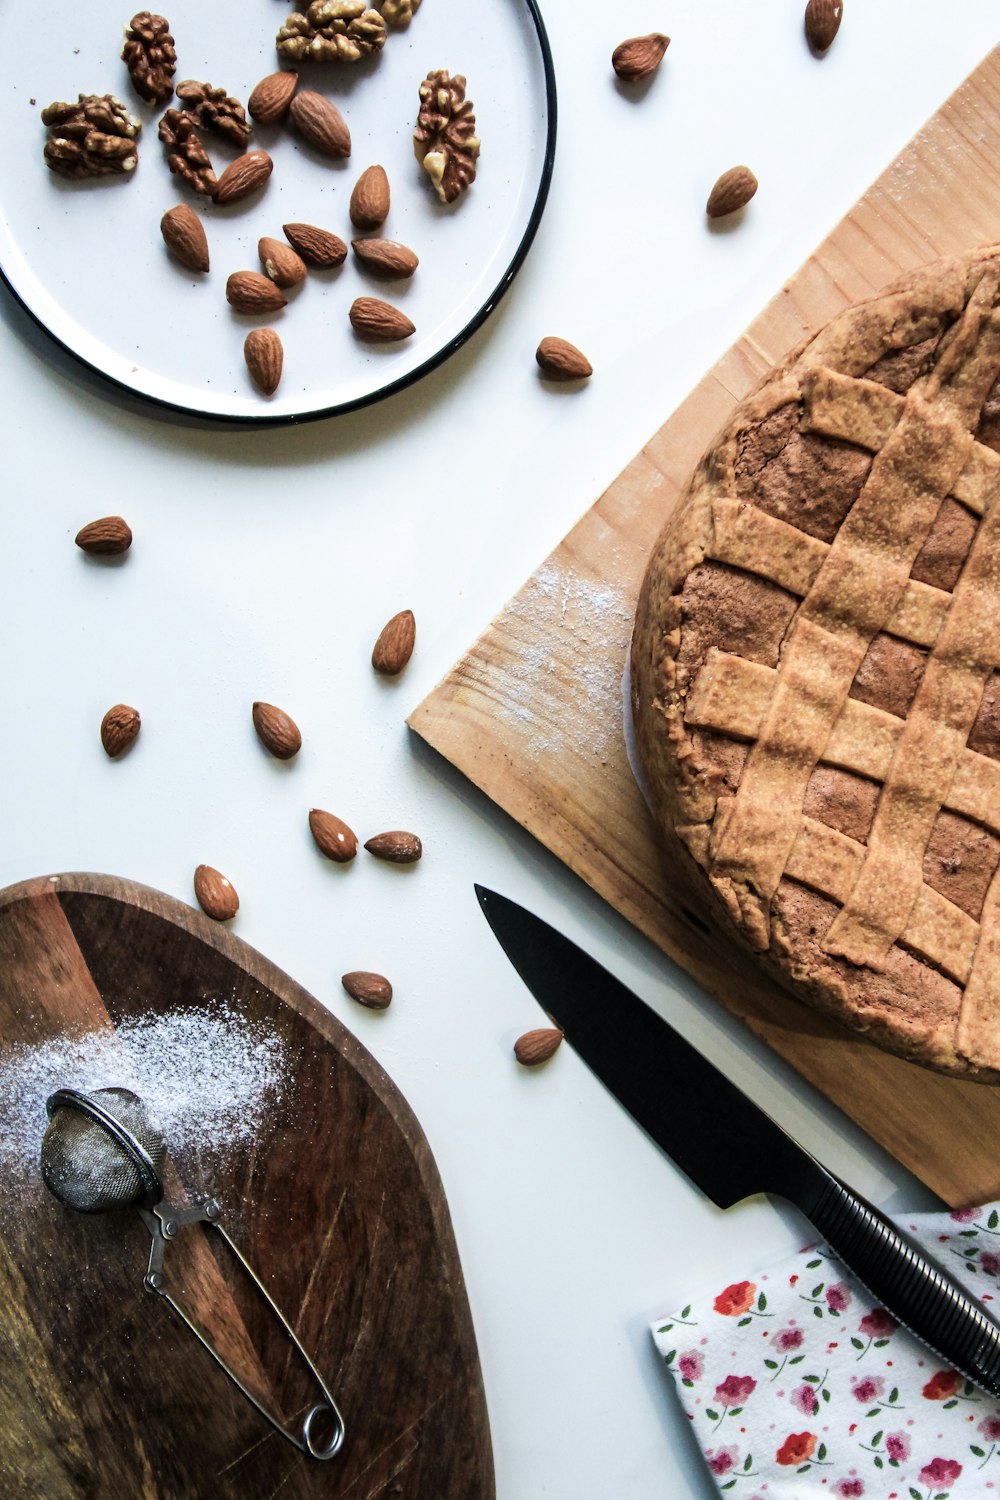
250,292
370,199
639,56
559,360
119,728
264,356
332,835
397,847
733,190
317,247
385,257
280,262
270,99
537,1046
823,18
216,896
105,538
395,643
373,990
321,122
243,176
379,321
277,731
184,236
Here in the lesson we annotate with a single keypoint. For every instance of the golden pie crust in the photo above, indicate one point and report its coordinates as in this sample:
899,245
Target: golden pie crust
815,662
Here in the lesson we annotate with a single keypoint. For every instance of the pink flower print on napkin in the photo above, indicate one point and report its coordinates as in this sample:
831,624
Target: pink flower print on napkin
990,1263
942,1385
735,1389
720,1460
940,1474
849,1488
963,1215
690,1366
867,1390
804,1397
838,1297
735,1299
990,1428
897,1447
788,1339
878,1324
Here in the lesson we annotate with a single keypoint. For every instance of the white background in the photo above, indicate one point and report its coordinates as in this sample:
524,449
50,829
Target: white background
265,563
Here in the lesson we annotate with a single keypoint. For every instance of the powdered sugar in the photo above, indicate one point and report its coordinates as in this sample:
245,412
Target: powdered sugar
208,1076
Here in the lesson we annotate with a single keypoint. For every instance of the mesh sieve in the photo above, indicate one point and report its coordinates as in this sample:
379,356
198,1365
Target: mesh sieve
85,1164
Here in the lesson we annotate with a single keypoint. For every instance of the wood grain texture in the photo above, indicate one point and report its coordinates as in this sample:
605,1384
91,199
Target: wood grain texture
533,713
338,1206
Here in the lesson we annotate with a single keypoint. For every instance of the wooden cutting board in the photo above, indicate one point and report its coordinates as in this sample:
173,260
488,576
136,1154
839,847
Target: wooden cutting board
533,713
336,1203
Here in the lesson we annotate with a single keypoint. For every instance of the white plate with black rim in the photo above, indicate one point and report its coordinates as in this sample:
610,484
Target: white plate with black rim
87,261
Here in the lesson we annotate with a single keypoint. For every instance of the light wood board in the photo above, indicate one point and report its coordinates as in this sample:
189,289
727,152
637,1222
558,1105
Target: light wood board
533,715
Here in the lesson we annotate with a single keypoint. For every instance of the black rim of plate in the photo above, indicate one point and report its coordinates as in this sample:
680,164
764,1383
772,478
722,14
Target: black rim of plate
291,419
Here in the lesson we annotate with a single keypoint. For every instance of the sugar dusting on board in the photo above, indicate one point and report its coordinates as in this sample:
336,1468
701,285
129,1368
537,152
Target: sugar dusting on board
594,623
208,1076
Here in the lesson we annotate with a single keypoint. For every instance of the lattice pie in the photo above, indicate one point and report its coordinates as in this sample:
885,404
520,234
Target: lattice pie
814,667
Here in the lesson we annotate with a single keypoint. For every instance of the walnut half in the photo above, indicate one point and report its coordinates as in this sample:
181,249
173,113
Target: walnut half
399,13
332,31
94,137
445,140
150,57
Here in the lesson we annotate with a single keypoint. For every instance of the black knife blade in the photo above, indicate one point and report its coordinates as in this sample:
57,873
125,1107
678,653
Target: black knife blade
729,1147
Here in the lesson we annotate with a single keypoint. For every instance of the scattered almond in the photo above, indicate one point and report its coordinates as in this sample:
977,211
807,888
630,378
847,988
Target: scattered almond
385,257
105,538
373,990
270,99
277,731
379,321
823,18
216,896
395,643
332,835
243,176
119,728
537,1046
397,847
184,236
559,360
733,190
264,356
321,122
639,56
370,199
317,247
250,292
280,262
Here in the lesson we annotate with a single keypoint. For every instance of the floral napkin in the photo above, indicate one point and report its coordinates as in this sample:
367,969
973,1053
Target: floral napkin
799,1385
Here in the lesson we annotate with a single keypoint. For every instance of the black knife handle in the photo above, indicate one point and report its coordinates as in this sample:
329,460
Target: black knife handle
911,1284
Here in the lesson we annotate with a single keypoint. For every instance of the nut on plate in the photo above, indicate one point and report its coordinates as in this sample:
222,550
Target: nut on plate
243,176
639,56
399,13
186,154
150,57
119,729
211,108
397,846
276,730
319,120
379,321
215,894
317,247
332,836
732,191
373,990
107,537
370,199
250,292
332,31
281,263
95,137
264,355
537,1046
386,258
184,236
445,141
560,360
270,99
822,21
395,643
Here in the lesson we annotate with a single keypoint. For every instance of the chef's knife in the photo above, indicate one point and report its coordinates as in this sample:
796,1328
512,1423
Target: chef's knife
727,1146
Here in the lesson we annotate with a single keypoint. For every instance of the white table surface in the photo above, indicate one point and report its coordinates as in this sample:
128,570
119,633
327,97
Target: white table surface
265,563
